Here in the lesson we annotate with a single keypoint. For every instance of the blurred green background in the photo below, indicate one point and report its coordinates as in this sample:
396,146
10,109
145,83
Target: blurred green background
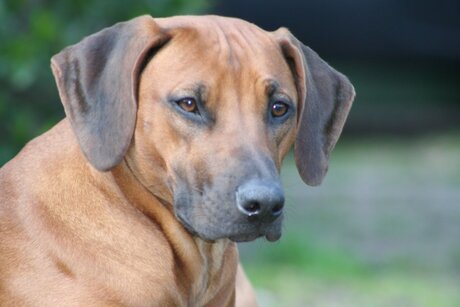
384,228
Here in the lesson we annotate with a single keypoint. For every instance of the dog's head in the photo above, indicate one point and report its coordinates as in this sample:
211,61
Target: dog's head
203,110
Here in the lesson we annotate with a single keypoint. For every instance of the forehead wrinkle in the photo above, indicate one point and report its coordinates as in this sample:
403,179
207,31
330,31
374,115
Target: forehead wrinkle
239,41
226,50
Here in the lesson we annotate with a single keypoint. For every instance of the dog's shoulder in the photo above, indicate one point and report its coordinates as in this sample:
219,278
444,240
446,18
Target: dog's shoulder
52,149
25,178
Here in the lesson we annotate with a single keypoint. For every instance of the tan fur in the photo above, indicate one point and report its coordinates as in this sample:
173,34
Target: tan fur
71,235
93,243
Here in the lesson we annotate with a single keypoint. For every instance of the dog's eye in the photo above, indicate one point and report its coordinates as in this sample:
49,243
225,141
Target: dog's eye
279,109
188,105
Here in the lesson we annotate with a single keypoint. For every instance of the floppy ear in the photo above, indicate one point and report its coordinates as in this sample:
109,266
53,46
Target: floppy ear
325,98
97,81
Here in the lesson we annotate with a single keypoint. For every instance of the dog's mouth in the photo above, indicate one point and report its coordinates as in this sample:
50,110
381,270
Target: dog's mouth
271,232
271,236
242,211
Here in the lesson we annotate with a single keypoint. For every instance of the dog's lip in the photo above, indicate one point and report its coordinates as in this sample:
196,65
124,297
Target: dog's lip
245,237
271,234
271,231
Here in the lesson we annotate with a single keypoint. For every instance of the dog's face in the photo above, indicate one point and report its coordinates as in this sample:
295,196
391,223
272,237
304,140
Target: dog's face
219,104
221,112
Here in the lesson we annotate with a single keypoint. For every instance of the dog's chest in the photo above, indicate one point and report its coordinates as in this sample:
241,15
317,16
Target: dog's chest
215,282
209,282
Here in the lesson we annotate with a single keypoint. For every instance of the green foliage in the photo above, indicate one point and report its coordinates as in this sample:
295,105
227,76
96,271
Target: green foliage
31,32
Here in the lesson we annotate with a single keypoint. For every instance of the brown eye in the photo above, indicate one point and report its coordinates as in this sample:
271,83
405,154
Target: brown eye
279,109
188,105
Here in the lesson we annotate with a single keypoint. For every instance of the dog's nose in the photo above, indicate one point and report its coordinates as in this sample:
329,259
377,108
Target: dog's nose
260,200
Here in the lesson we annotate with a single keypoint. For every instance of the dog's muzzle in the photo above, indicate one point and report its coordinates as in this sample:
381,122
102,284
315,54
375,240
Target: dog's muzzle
262,202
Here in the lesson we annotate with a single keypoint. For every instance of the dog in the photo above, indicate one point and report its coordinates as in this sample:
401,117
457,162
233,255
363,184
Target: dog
169,153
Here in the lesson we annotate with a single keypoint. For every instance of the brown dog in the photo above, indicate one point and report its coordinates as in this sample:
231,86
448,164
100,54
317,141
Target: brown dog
170,153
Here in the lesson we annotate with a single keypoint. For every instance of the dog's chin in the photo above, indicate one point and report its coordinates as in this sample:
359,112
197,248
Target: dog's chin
272,234
244,237
238,238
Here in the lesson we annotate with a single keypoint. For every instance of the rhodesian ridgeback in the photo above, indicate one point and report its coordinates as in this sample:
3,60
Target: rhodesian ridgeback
170,152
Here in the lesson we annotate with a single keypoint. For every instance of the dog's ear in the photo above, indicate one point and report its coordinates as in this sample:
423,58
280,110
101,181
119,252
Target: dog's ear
325,98
97,81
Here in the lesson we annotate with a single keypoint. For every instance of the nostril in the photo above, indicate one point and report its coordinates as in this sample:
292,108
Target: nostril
252,207
259,200
277,209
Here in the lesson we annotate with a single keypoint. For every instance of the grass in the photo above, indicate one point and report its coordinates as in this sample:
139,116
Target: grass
295,275
294,287
382,230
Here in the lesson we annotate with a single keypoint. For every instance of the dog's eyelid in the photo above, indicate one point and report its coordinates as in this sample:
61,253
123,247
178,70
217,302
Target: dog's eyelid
180,101
189,105
280,107
274,91
197,91
282,98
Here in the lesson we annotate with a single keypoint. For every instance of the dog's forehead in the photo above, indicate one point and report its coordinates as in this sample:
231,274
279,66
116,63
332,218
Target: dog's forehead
224,48
222,36
208,23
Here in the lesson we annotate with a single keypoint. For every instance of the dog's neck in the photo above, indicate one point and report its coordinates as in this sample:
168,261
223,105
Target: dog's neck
203,262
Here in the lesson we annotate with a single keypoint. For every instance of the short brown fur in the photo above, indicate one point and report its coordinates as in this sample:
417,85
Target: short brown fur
89,210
